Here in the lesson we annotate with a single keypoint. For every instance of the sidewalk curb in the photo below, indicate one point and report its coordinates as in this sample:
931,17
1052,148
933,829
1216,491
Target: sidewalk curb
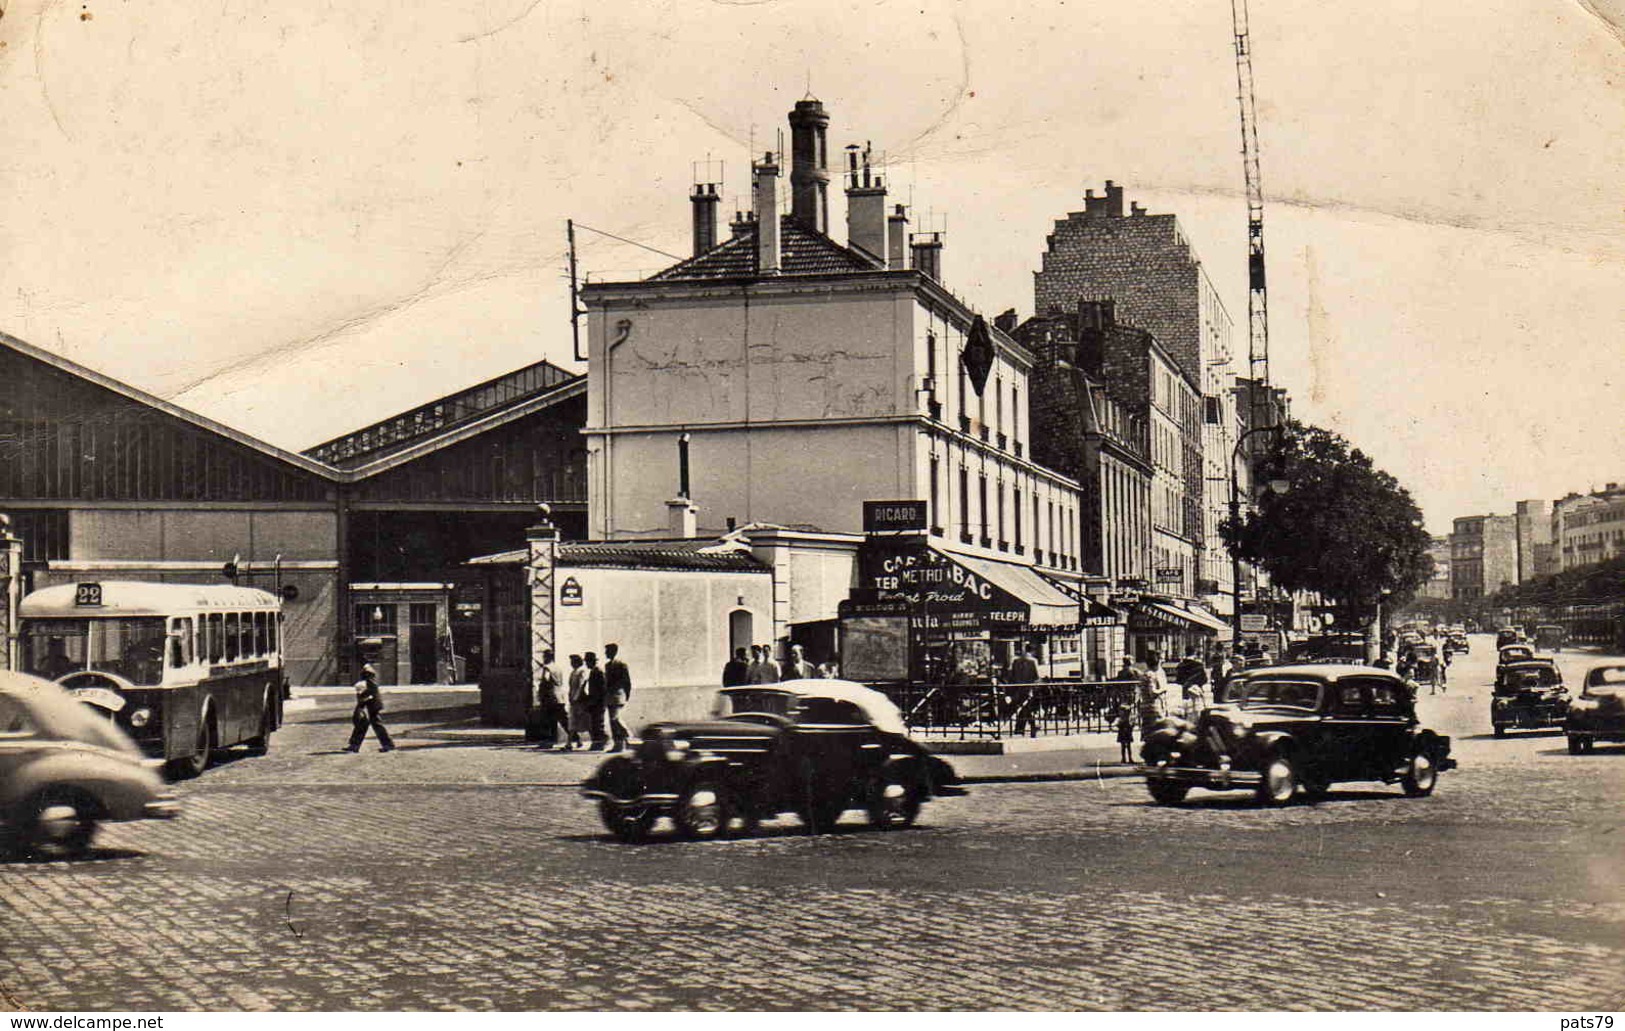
1097,773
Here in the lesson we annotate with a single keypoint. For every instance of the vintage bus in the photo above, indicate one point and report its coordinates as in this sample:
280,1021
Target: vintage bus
184,669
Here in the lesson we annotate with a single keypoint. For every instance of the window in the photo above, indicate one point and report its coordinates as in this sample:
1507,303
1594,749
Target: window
216,637
964,503
375,620
232,639
262,633
1015,511
981,503
14,719
273,626
1003,540
936,513
831,711
180,643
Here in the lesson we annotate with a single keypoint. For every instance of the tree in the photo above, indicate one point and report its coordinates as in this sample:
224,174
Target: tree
1342,527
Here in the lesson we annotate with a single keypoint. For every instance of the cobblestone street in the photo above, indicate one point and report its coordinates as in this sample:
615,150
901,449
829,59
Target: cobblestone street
352,885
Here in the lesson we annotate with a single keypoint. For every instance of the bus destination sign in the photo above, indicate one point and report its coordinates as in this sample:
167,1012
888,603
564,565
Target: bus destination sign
87,594
893,516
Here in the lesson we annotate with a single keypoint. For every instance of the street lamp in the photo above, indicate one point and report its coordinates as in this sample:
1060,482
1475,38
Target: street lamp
1279,486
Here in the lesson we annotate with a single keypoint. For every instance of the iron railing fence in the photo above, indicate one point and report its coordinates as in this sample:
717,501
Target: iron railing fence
997,711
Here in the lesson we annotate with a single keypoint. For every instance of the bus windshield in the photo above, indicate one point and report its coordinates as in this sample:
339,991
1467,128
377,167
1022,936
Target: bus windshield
131,647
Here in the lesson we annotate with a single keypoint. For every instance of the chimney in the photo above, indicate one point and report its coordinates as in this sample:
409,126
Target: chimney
1095,320
682,518
897,237
1093,207
1006,320
744,224
927,249
865,208
704,200
766,202
1135,209
809,165
1114,199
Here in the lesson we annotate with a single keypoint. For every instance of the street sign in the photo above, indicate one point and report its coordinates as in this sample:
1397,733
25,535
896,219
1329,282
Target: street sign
570,591
893,516
1170,574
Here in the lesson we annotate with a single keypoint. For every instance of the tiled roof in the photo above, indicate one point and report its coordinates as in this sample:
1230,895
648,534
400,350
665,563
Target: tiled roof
701,553
802,252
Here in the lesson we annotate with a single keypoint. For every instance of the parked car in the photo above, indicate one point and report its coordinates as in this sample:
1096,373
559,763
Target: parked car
1292,727
1599,713
1528,695
815,748
65,769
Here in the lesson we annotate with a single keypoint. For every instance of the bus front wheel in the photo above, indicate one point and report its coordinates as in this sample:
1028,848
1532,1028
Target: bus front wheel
193,765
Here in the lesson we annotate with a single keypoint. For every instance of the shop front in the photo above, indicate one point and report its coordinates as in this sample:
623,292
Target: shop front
1171,629
927,616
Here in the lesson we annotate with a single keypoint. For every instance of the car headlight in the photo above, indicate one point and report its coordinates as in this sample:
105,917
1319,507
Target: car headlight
140,717
677,750
1583,704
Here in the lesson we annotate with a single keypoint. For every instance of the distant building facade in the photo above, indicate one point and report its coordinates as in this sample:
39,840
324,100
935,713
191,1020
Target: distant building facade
1537,553
1589,528
1437,586
1146,266
1483,556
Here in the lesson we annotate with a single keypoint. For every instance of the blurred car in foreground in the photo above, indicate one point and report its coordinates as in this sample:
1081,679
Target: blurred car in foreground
1599,713
1292,727
815,748
64,770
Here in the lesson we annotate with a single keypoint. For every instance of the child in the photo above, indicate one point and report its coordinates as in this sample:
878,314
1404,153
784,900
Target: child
1125,734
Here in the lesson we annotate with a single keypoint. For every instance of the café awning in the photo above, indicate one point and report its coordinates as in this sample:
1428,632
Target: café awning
1194,618
1046,605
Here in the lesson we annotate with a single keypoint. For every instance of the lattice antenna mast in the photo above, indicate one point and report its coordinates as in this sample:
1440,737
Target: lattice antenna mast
1258,312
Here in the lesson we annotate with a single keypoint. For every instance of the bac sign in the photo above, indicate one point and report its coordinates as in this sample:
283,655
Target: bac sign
87,594
891,516
570,591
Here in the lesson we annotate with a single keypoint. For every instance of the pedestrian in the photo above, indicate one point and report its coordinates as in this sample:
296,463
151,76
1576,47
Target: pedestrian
800,668
829,670
1153,693
580,715
736,671
1192,678
1023,678
595,702
617,692
765,670
369,706
553,725
1125,734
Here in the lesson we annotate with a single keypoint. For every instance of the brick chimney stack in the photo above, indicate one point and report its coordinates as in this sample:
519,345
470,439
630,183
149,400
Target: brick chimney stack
927,249
766,206
865,208
897,237
704,200
809,165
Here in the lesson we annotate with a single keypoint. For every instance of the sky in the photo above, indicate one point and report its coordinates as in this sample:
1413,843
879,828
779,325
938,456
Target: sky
299,219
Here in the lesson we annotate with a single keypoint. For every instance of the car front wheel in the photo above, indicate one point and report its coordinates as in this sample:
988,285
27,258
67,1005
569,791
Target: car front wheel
893,804
629,825
703,812
1167,792
58,824
1280,781
1579,744
1421,776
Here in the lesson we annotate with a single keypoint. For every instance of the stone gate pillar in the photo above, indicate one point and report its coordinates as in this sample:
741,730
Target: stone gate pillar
542,541
11,593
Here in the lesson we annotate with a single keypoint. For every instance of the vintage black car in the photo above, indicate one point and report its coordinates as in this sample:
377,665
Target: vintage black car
1307,726
1599,713
1508,635
1529,694
815,748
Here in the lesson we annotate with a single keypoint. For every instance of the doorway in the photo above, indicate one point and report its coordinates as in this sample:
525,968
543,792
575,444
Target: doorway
741,630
